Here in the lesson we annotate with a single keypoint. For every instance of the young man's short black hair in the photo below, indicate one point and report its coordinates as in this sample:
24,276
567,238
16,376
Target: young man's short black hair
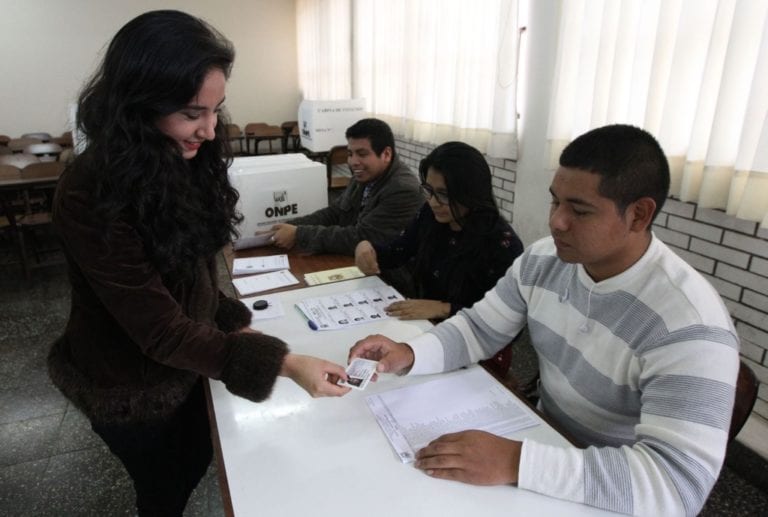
629,159
376,131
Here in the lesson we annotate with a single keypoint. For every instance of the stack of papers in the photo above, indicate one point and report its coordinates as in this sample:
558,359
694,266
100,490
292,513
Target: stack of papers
333,275
413,416
251,265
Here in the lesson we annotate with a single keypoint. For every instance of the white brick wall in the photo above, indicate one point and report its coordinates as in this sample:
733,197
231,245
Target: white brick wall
731,253
738,251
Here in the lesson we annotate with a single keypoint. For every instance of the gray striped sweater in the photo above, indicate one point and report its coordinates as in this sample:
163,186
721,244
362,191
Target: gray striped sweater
641,367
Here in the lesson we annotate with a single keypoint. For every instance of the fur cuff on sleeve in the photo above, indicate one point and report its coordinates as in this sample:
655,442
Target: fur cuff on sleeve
254,363
232,315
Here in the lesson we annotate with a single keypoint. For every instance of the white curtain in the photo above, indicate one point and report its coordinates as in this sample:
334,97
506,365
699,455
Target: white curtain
324,46
692,72
436,70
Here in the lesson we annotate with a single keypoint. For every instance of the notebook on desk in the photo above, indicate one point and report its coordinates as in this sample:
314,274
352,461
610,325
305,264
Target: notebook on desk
274,189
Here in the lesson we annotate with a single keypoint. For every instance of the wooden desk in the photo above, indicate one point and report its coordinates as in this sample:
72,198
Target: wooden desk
13,189
259,134
300,263
293,455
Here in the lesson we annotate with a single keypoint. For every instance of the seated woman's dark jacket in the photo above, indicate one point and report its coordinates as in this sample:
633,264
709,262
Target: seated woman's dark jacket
136,343
457,267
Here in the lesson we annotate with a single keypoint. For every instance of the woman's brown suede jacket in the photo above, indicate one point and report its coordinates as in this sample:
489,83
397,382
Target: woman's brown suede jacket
135,344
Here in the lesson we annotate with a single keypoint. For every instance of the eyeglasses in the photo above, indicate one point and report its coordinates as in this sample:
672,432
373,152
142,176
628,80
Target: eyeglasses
428,192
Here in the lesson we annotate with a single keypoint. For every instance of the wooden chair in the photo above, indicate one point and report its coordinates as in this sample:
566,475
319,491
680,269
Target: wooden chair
34,223
9,172
337,168
259,132
4,139
290,130
42,170
235,137
65,140
17,145
746,395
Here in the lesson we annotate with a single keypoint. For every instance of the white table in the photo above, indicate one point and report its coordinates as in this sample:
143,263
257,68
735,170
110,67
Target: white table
298,456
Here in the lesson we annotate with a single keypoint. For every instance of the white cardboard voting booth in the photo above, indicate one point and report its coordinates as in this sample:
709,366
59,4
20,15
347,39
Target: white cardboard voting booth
275,188
322,124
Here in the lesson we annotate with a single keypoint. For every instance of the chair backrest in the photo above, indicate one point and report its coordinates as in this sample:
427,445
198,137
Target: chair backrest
47,152
337,156
20,160
65,140
254,127
43,170
746,394
9,172
40,135
17,145
4,139
233,131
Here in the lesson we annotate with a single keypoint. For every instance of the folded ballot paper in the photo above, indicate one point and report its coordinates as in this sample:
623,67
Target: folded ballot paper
264,282
251,265
341,310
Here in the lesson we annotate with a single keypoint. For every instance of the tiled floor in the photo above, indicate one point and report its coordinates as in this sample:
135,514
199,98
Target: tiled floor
51,463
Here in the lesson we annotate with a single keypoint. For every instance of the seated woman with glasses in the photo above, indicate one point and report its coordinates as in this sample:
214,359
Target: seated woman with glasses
458,245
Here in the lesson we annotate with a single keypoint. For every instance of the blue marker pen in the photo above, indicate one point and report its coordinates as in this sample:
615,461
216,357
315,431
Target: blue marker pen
311,323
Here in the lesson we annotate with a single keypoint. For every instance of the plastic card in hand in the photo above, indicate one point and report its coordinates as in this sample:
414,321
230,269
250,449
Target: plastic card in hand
353,308
359,373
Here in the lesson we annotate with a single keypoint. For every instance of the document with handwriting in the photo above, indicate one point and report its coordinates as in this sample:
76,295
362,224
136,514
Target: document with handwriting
413,416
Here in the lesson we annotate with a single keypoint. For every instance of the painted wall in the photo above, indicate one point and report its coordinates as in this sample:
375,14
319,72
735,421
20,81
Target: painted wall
49,48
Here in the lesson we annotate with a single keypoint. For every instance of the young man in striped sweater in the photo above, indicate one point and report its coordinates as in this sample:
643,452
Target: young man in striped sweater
637,353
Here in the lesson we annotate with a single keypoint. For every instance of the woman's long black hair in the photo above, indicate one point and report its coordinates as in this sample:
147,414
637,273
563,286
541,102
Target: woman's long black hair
182,209
468,183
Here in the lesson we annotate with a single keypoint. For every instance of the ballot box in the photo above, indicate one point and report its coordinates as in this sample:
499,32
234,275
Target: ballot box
322,124
273,189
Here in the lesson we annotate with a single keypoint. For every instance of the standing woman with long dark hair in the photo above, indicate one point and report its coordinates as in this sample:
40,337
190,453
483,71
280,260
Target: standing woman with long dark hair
142,213
458,245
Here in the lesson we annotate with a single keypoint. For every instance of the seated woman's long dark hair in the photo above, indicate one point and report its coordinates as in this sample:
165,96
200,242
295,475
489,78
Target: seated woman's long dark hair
182,209
468,183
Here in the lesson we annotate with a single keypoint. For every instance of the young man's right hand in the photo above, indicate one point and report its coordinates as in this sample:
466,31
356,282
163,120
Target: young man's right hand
392,357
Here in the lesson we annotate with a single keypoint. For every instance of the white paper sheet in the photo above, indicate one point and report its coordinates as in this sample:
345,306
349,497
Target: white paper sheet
256,283
274,308
413,416
251,265
344,309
